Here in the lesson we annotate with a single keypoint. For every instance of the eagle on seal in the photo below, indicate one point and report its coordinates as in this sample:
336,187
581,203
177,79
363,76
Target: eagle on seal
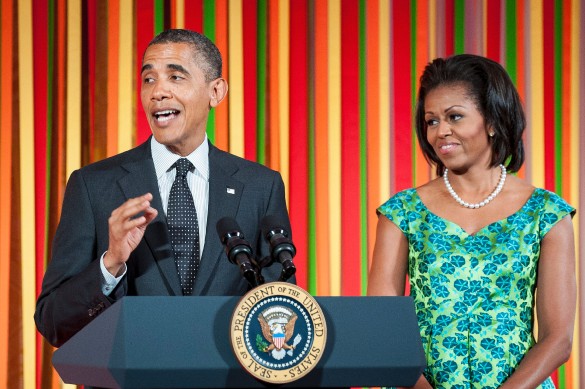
278,333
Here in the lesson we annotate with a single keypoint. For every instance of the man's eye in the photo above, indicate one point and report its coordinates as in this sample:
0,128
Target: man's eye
147,80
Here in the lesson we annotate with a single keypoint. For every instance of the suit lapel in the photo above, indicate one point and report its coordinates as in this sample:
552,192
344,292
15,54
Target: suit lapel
141,179
224,198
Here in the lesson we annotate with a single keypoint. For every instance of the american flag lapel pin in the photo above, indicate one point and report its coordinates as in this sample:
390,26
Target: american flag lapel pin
230,190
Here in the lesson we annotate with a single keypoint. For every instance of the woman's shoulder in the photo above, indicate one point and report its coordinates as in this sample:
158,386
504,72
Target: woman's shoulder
401,198
551,202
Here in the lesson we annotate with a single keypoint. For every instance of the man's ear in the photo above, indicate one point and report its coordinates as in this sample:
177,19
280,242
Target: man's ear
218,89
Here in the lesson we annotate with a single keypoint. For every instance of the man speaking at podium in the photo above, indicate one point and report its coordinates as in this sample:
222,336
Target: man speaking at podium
142,222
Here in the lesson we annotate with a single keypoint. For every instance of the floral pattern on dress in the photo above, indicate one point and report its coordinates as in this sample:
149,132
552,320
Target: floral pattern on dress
474,294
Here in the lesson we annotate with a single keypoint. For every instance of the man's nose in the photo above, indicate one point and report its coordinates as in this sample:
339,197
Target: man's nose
161,91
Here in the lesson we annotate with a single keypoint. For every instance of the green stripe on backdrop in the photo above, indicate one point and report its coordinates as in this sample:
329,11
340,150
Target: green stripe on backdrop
558,95
209,31
312,220
159,16
262,37
363,147
511,37
459,22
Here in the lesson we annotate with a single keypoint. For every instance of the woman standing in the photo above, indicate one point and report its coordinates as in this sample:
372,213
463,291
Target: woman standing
482,248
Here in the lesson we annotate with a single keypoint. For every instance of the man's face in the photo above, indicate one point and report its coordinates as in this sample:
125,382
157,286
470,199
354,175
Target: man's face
175,96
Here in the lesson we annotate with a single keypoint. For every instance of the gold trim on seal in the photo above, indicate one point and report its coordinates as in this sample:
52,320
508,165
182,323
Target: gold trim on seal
290,369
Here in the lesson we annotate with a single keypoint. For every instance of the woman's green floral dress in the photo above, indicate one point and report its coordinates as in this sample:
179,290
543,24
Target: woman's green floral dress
474,294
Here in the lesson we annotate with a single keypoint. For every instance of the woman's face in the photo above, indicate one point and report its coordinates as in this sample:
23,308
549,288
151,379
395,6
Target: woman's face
456,129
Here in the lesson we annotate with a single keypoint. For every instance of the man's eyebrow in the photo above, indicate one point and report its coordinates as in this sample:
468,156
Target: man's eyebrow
145,67
171,66
178,68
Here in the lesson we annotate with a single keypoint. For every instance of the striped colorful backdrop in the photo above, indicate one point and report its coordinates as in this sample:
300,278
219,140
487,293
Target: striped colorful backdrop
321,90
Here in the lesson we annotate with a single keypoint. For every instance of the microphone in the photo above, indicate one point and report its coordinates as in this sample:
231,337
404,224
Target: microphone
237,248
281,247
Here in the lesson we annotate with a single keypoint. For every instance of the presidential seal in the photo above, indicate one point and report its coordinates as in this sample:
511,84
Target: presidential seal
278,332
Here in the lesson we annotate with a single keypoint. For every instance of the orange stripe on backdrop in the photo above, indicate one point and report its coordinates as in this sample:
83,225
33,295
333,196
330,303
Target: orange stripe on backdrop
221,41
6,69
422,172
373,119
322,209
113,23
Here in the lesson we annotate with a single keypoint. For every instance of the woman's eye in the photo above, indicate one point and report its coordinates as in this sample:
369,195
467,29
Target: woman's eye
431,122
454,117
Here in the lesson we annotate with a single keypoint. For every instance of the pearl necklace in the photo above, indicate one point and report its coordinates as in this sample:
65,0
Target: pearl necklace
484,202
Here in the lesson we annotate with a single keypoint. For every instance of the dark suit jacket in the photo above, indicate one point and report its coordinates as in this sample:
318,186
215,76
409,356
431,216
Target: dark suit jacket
71,294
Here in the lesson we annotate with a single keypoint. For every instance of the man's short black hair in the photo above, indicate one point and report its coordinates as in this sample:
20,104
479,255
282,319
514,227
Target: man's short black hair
205,54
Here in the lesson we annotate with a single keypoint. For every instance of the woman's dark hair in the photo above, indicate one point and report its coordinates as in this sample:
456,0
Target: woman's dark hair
205,54
493,92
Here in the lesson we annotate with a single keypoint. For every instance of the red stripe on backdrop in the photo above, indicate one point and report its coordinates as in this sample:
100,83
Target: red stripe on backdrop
194,15
299,133
250,26
548,16
449,18
40,85
41,79
91,57
144,11
493,30
402,95
373,120
350,150
422,58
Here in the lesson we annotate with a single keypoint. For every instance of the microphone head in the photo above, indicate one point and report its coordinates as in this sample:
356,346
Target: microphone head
227,227
271,225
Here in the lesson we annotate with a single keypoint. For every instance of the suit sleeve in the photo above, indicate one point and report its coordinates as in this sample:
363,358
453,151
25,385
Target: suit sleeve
71,294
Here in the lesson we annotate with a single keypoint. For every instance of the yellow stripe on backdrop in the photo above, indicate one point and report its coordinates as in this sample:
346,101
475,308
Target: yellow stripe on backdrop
284,90
180,14
127,84
73,118
536,95
334,87
27,189
384,92
575,176
236,71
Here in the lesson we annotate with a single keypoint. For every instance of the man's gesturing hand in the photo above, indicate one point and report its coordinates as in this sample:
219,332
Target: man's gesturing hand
126,230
